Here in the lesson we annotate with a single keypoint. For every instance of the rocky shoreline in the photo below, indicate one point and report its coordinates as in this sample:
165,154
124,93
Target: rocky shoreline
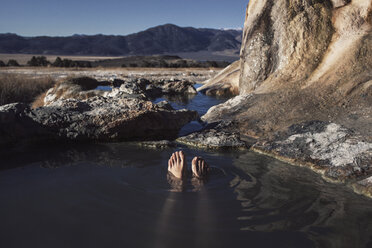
74,110
304,87
338,154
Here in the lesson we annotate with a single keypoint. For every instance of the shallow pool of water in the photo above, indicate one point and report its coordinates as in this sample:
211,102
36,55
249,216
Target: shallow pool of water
199,102
118,195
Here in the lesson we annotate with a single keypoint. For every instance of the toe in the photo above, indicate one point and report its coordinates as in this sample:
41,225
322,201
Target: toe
177,157
182,155
193,165
193,162
173,159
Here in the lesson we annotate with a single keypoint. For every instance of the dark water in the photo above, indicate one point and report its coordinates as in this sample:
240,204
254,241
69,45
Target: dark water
118,195
199,102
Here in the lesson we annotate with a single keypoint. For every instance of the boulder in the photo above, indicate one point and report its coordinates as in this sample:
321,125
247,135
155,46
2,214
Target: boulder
83,88
225,83
302,61
117,82
16,125
161,87
214,136
305,85
161,144
338,153
178,87
363,186
94,119
77,88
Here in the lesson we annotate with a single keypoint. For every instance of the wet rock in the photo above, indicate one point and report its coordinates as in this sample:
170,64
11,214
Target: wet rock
117,82
158,144
214,136
363,186
131,87
232,106
94,119
178,87
15,124
337,152
153,91
165,105
118,93
158,88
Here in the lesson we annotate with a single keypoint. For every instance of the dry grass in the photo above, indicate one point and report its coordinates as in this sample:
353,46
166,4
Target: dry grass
18,88
39,101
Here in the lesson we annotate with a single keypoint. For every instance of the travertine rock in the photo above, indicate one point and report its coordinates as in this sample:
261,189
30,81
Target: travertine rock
301,61
225,83
83,88
77,88
94,119
337,152
215,136
307,43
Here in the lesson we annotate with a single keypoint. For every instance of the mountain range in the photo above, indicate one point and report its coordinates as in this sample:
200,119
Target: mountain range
162,39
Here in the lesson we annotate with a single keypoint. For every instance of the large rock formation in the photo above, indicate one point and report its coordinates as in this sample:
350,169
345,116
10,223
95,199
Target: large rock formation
75,110
304,60
306,85
82,88
94,119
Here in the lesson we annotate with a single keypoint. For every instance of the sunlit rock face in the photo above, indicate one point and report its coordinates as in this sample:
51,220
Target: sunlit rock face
301,61
305,42
225,83
306,85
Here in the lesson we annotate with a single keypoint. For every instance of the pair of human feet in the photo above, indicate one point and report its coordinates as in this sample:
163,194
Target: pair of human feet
178,168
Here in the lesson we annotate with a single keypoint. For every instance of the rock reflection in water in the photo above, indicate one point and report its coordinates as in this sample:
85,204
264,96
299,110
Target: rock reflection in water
289,200
198,102
119,194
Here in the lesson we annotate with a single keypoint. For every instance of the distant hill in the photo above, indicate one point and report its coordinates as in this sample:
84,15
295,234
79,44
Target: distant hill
162,39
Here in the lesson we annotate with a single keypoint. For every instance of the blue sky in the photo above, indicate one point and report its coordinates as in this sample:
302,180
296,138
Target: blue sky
67,17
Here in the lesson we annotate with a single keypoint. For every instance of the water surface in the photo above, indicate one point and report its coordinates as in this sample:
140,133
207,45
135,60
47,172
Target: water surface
118,195
198,102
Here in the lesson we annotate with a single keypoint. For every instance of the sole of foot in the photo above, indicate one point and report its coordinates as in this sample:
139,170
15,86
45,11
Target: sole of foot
177,165
200,168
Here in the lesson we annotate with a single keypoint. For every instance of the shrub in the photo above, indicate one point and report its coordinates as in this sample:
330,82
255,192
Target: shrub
71,63
38,61
17,88
2,64
13,62
58,62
